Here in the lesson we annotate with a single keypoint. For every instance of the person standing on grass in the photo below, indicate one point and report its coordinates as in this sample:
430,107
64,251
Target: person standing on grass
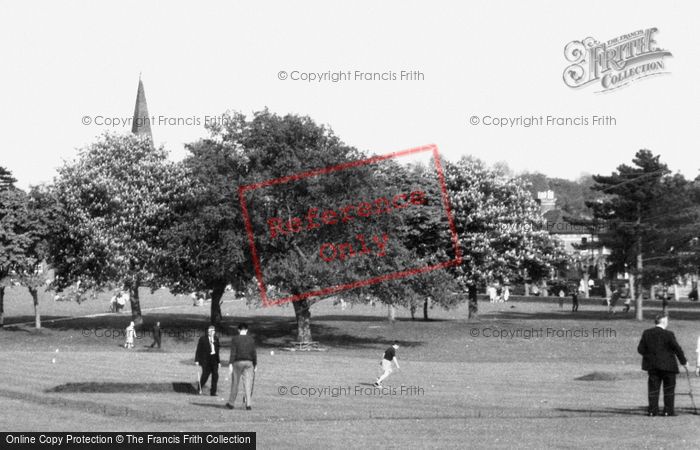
243,364
156,335
628,303
697,359
388,358
207,356
613,300
574,300
130,335
659,351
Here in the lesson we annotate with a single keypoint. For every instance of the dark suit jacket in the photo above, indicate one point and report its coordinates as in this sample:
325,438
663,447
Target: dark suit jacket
659,350
203,355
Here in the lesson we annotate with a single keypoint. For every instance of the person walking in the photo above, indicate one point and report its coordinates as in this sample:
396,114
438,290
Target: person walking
388,358
614,298
628,300
207,357
659,351
697,358
130,335
574,300
243,364
156,335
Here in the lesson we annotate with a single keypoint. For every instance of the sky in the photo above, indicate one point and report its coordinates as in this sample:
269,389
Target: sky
70,62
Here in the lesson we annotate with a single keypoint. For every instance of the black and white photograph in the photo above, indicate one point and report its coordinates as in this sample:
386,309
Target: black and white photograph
309,224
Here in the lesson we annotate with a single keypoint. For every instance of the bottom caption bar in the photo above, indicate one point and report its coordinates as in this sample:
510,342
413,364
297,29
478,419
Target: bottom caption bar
125,440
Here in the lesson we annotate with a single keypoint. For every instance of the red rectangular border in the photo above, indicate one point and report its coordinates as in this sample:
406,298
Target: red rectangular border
343,287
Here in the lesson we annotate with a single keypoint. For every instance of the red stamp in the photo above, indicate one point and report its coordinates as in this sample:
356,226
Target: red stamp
358,218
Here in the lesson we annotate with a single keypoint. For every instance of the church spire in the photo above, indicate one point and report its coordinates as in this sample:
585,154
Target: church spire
141,124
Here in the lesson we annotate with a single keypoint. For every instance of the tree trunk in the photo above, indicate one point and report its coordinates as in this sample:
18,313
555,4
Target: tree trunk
473,305
135,305
527,289
391,312
302,311
639,313
632,286
586,290
37,316
676,290
636,294
216,294
608,289
426,305
2,306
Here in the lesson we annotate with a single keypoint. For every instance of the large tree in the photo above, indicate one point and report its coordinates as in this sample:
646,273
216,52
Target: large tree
25,225
206,244
114,202
427,238
635,196
7,181
12,242
270,147
500,227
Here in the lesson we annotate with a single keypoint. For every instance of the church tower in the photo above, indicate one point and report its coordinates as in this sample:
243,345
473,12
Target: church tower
141,124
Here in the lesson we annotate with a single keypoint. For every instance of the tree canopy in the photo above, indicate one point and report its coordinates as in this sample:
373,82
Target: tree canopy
113,203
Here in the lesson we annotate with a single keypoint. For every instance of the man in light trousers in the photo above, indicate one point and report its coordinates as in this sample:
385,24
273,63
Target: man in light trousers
243,364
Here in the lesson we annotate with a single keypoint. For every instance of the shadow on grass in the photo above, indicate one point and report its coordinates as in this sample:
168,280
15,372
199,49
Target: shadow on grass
94,387
268,331
636,411
612,376
599,315
209,405
365,318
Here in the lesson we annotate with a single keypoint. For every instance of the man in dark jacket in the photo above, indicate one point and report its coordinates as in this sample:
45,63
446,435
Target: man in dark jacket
156,335
243,364
659,351
207,356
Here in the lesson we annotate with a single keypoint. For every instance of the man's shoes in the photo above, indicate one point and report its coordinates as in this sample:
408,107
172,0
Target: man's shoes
651,414
229,406
213,394
248,408
669,414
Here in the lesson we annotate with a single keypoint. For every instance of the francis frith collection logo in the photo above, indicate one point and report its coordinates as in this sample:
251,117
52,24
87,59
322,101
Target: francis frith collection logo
615,63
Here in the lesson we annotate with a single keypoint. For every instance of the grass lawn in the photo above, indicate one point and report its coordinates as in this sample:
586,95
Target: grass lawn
509,379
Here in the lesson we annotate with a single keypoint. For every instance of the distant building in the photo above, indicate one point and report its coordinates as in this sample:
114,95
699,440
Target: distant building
570,234
586,264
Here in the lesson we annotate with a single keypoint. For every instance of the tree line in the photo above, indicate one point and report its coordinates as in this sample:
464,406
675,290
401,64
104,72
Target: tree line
122,215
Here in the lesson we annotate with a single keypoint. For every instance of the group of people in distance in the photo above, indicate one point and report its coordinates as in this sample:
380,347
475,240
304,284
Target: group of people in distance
498,293
118,301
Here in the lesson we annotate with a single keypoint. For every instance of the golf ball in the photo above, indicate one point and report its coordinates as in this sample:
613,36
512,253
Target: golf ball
272,353
53,361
